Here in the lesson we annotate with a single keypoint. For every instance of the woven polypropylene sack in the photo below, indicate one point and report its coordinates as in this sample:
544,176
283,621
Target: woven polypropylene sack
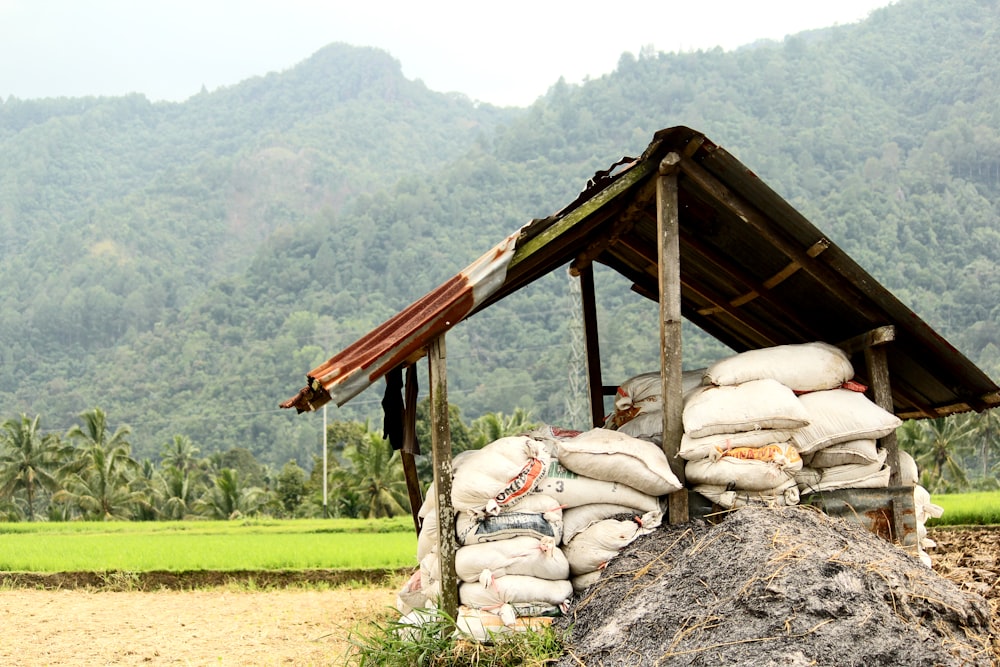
750,406
801,367
613,456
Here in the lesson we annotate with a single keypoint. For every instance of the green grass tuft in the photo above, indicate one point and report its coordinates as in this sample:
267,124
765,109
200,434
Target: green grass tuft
434,643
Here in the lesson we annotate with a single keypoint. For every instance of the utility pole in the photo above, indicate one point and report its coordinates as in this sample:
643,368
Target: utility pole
326,510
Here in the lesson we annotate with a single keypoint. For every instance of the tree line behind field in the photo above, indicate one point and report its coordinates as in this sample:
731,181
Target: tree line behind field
89,472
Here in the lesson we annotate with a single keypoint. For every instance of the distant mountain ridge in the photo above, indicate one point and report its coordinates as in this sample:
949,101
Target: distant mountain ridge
183,265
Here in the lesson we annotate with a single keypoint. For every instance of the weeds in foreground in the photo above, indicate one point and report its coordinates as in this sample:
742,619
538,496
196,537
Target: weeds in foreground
119,581
435,643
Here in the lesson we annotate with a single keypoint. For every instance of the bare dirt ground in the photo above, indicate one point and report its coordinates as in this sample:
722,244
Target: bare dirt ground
209,627
76,620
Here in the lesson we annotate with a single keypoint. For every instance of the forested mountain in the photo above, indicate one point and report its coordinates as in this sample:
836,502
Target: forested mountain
184,265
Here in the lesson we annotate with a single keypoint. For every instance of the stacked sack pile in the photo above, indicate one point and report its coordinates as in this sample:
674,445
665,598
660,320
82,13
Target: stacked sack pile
537,517
923,509
823,428
768,424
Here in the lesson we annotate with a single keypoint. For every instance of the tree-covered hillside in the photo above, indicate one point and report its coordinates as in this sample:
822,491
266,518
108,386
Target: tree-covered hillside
184,265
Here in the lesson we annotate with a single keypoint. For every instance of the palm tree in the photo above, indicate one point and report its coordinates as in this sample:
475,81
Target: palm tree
229,499
988,434
96,434
495,425
180,453
936,445
376,476
27,458
180,489
100,482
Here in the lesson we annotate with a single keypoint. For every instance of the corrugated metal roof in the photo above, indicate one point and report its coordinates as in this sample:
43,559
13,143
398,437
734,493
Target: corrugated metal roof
403,337
754,273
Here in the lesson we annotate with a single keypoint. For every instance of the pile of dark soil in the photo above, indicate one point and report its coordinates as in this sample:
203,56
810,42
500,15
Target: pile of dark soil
775,586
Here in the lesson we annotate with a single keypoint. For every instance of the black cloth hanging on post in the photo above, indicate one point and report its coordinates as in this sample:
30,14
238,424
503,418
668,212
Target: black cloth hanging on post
393,408
410,443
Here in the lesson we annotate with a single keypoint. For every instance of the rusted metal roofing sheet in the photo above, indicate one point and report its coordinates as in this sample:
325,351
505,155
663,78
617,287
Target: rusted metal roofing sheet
404,336
754,273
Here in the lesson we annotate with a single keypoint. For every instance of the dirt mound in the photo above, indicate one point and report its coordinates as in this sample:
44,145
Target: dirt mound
767,587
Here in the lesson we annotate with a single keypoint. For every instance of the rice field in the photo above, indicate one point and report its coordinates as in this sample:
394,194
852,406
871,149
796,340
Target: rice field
207,545
980,508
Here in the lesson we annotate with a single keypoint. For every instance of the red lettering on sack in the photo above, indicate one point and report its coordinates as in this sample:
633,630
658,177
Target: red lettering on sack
522,483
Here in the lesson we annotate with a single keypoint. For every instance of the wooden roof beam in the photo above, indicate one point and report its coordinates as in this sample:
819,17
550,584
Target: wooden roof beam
743,210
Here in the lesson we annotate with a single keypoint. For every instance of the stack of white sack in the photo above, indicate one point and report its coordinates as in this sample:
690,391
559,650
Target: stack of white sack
508,532
736,443
839,444
923,508
491,482
510,564
512,518
639,404
609,484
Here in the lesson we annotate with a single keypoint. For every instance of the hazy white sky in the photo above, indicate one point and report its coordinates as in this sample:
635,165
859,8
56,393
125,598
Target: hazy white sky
505,53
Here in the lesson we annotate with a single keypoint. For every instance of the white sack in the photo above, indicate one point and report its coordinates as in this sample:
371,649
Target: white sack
758,404
692,449
430,502
908,473
499,475
646,425
552,433
839,415
419,592
843,453
484,626
640,398
515,588
577,519
786,494
538,516
804,367
584,581
428,538
924,508
849,471
746,468
612,456
592,548
856,476
572,490
519,555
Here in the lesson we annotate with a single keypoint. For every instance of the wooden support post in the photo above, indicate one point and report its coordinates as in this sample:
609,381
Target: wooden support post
441,446
878,375
669,260
878,370
411,447
592,345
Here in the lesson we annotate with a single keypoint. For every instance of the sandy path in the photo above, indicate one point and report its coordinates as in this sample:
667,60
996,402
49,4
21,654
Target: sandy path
284,627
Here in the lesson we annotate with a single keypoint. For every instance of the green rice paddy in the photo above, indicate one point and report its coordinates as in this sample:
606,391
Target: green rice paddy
207,545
